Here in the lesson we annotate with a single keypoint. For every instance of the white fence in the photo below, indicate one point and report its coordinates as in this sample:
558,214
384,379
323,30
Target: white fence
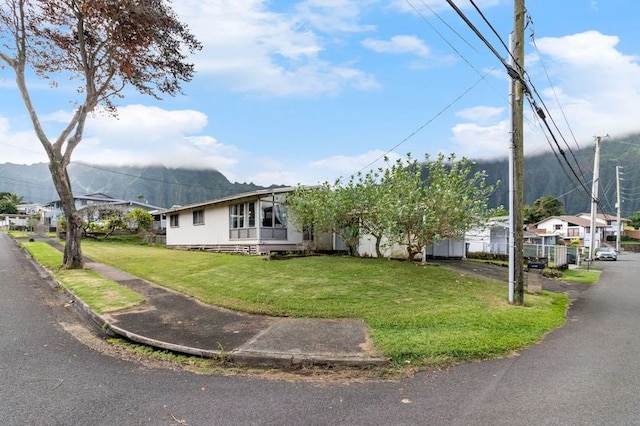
558,255
554,254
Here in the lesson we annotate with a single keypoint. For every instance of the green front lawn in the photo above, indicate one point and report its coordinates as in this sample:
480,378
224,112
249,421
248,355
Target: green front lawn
425,315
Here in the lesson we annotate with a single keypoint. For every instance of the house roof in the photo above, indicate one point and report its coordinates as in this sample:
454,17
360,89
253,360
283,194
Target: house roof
237,197
104,198
571,220
605,217
98,196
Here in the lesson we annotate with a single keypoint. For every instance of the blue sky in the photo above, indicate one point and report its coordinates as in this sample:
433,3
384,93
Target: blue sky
290,92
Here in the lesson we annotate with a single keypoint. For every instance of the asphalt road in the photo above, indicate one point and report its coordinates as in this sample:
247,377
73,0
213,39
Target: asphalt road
585,373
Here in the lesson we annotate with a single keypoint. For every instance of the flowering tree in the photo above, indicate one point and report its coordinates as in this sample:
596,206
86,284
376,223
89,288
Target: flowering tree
326,208
103,45
436,200
407,203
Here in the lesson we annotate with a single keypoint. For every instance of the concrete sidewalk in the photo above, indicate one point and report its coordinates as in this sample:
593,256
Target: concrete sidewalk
180,323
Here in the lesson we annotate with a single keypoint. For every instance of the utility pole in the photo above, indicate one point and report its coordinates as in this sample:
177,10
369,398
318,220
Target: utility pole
618,210
517,119
594,198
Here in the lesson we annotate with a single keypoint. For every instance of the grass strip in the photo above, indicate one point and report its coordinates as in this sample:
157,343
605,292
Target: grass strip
101,294
581,276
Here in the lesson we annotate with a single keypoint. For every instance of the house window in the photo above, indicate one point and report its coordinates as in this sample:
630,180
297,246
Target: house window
274,212
198,217
242,215
273,217
242,220
557,227
173,220
573,232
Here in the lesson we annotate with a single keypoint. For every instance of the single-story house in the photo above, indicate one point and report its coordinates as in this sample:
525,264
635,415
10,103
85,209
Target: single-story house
255,222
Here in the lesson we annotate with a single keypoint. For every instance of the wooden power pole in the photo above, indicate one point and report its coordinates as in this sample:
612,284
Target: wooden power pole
517,119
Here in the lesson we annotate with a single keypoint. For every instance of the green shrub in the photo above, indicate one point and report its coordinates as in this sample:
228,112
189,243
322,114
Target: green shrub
551,273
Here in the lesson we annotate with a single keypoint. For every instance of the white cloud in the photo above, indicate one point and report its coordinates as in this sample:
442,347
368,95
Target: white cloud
334,15
399,44
19,146
151,135
250,48
598,88
344,165
481,113
477,141
145,125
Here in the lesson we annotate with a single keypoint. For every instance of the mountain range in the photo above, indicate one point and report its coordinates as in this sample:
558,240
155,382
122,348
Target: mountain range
562,173
156,185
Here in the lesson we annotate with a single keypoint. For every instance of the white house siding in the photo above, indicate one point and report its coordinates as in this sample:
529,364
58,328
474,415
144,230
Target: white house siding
215,229
367,248
447,248
478,240
499,240
215,232
549,225
493,237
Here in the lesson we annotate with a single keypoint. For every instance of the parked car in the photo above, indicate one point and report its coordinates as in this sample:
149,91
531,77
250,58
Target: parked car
606,253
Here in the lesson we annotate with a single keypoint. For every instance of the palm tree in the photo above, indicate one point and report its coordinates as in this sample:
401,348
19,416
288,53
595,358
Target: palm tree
14,199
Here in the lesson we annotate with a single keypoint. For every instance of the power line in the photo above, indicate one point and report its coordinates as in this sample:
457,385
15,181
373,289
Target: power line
437,15
412,134
553,89
527,85
484,18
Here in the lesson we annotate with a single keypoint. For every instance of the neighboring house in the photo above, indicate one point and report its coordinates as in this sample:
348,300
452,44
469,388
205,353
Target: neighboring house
494,237
255,222
611,223
37,216
97,199
14,221
31,209
491,238
568,228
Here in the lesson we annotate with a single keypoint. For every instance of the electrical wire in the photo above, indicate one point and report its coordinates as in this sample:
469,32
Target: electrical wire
412,134
546,72
437,15
527,86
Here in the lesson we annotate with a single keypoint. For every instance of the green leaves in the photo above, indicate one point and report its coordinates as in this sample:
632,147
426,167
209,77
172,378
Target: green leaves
406,203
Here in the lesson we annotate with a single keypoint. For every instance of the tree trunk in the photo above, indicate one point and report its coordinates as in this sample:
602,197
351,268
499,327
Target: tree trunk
411,252
72,251
378,250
